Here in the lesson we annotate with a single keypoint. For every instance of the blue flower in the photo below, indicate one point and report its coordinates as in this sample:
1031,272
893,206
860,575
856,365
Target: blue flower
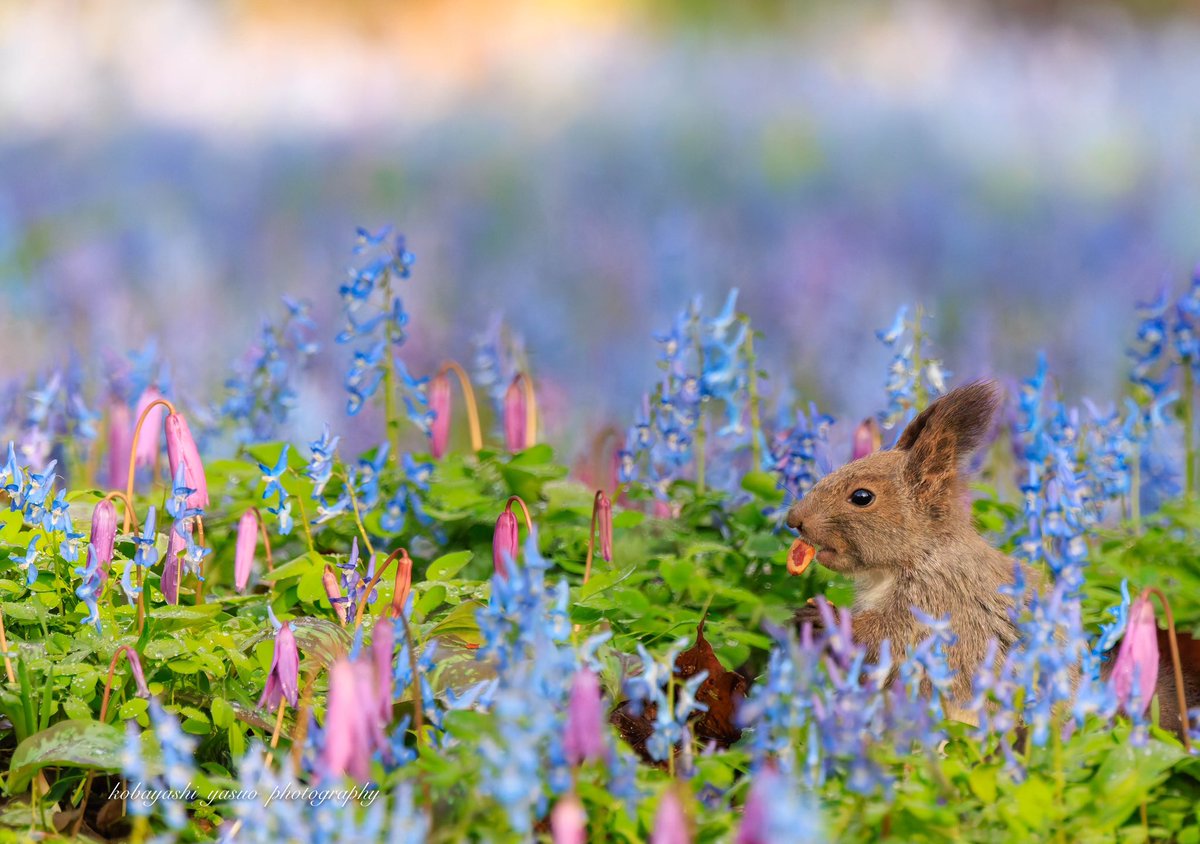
27,562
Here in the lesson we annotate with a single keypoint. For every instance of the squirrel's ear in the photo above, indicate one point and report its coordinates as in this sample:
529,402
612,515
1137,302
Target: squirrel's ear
945,433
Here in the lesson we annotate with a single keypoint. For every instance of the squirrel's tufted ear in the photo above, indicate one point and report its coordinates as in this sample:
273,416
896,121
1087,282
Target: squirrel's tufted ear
945,433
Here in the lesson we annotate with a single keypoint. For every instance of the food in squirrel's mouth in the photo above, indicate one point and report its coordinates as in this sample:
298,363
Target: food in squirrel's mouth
800,557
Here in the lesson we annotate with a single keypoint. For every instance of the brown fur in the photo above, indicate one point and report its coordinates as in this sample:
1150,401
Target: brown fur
915,544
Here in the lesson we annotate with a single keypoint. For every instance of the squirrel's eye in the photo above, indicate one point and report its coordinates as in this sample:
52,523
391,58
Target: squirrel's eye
861,497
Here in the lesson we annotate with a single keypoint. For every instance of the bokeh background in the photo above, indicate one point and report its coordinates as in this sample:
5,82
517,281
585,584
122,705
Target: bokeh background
1025,171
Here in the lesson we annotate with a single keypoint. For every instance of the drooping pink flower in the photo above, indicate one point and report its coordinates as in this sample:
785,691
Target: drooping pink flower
515,416
604,518
353,728
568,821
439,403
867,438
135,668
182,447
402,585
756,813
383,649
583,736
151,432
104,533
1135,672
504,542
283,678
120,436
172,566
247,543
333,589
670,821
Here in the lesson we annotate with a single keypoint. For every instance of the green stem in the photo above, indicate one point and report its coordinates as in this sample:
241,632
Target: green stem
671,714
358,519
752,389
392,422
698,445
920,397
1189,433
304,517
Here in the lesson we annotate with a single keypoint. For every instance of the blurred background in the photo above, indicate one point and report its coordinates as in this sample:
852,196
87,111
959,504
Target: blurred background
1026,171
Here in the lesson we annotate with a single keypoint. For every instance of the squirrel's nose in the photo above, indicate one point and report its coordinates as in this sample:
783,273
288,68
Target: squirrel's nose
795,519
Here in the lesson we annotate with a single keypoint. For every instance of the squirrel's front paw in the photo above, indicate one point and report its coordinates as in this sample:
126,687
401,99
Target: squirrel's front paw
808,614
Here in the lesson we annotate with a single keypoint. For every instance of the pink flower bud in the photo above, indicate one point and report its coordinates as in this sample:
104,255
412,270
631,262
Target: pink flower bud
120,436
283,678
135,668
333,590
148,437
756,814
504,543
351,725
568,821
182,447
403,584
515,416
867,438
172,565
247,543
670,821
439,403
1137,658
383,649
104,533
604,522
583,737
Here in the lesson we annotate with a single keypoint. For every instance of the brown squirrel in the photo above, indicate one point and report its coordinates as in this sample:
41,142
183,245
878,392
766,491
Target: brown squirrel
898,522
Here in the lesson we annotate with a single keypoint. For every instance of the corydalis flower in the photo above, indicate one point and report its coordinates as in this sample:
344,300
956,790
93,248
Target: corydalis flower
247,542
285,668
181,449
91,586
1135,672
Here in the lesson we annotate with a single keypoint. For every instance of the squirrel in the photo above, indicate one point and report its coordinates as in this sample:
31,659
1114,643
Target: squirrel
898,522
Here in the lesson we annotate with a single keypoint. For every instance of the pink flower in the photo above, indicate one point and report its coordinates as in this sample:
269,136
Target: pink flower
583,737
169,583
333,590
135,668
439,403
120,436
504,542
756,813
383,649
867,438
515,416
670,821
182,447
282,679
1137,658
604,521
353,730
247,542
402,585
104,533
568,822
662,509
147,444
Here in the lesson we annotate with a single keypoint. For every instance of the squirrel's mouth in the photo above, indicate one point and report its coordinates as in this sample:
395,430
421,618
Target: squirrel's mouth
802,554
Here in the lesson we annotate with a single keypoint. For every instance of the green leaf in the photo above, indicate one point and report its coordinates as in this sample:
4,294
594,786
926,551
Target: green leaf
983,783
430,601
604,580
448,565
222,713
74,743
460,622
763,484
